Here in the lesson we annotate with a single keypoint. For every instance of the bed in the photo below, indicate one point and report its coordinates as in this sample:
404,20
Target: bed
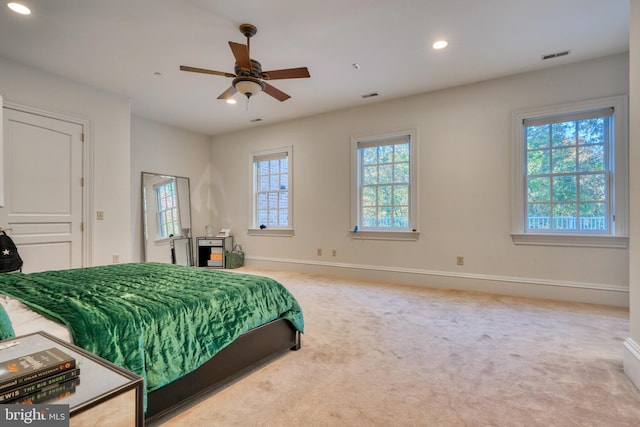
185,330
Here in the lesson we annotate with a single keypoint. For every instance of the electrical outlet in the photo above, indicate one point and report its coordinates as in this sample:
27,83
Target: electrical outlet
333,252
460,260
100,215
319,252
115,258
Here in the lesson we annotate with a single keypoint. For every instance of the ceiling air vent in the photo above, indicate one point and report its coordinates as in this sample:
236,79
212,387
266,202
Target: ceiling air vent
555,55
369,95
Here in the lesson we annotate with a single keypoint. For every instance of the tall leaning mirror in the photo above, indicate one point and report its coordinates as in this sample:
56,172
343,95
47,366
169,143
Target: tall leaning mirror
166,219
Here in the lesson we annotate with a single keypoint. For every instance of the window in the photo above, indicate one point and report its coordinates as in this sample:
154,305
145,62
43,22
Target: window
167,208
572,174
272,201
384,186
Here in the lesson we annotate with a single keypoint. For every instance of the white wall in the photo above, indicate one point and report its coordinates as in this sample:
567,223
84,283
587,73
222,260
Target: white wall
464,139
632,344
164,149
108,116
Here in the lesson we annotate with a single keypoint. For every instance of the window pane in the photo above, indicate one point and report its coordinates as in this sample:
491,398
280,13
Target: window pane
401,195
273,200
538,216
593,216
401,172
262,217
284,181
593,188
563,134
539,189
263,201
384,216
591,131
283,201
370,155
564,188
401,153
386,153
283,219
564,216
263,168
370,175
385,174
274,182
369,196
538,162
272,218
401,217
385,195
537,136
591,158
274,166
369,217
263,183
564,160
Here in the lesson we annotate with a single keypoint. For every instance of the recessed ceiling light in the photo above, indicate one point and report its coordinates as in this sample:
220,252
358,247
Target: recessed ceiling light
440,44
19,8
231,101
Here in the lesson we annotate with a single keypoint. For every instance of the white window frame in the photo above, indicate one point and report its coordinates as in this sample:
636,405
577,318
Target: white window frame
617,236
254,227
412,231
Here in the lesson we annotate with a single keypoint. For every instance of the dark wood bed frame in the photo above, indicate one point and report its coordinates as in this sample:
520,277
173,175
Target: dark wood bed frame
252,349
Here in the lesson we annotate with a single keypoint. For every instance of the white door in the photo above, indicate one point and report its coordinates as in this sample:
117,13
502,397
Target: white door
43,190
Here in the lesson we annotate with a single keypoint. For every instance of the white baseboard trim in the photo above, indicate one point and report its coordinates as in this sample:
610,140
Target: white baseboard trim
631,361
597,293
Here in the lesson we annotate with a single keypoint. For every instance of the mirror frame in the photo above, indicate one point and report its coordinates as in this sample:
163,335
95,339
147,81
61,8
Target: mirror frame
184,215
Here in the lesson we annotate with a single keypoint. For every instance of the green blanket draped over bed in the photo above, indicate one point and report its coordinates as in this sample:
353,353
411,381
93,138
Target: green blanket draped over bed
160,321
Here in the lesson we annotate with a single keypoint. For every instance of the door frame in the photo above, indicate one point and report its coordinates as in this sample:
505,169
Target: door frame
87,169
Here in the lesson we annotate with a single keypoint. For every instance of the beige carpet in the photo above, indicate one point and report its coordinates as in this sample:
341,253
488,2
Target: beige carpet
385,355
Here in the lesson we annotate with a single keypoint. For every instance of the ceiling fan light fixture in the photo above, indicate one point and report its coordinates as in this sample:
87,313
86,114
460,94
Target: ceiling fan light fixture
248,86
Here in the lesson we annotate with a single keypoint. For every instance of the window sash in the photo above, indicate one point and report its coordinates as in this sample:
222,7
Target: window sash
560,206
384,204
272,189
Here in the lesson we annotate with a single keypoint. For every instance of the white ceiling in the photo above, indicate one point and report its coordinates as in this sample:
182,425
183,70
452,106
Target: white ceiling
120,45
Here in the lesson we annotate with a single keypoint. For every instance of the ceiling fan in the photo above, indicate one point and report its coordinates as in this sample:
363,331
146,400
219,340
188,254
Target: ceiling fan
249,79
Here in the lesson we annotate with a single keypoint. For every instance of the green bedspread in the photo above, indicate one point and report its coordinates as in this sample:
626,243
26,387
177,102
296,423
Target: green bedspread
160,321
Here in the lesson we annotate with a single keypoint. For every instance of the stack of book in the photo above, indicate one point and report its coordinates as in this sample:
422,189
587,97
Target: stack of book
39,377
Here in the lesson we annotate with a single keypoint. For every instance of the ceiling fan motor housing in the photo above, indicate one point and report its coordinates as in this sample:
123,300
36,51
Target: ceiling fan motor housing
255,71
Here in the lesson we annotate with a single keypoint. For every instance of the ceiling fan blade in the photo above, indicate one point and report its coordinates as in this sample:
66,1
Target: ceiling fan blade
276,93
289,73
228,93
205,71
241,53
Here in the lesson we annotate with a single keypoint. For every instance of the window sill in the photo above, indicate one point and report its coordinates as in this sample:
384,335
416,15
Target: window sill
411,236
588,241
272,232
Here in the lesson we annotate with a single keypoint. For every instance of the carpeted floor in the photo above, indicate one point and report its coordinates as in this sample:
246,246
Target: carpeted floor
386,355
